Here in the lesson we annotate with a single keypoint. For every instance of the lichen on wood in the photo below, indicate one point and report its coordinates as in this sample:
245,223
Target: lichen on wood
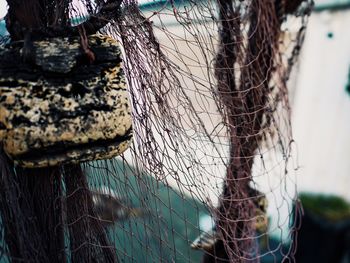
60,108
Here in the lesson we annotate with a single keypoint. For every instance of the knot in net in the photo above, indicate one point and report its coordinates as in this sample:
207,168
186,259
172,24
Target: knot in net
209,173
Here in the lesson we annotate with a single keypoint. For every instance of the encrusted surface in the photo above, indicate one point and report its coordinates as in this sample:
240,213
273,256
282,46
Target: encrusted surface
67,111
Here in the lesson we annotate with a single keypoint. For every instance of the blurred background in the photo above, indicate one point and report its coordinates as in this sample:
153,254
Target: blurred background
320,102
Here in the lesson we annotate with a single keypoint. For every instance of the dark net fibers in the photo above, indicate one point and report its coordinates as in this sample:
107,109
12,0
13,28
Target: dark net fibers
209,174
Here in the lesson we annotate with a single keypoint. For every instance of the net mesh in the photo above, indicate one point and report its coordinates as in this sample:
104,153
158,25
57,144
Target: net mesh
210,173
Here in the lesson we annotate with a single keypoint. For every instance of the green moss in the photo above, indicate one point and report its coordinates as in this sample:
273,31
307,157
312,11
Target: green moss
330,207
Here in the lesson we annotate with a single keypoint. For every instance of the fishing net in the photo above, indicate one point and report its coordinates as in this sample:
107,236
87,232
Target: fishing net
209,174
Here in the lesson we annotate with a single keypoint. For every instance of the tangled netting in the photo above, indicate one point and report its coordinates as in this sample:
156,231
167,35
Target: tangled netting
212,147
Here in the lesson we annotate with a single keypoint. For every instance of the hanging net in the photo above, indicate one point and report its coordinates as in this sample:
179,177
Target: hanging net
209,174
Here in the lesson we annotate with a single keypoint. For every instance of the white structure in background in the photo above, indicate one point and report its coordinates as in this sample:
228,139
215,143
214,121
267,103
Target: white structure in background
321,108
320,113
320,103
